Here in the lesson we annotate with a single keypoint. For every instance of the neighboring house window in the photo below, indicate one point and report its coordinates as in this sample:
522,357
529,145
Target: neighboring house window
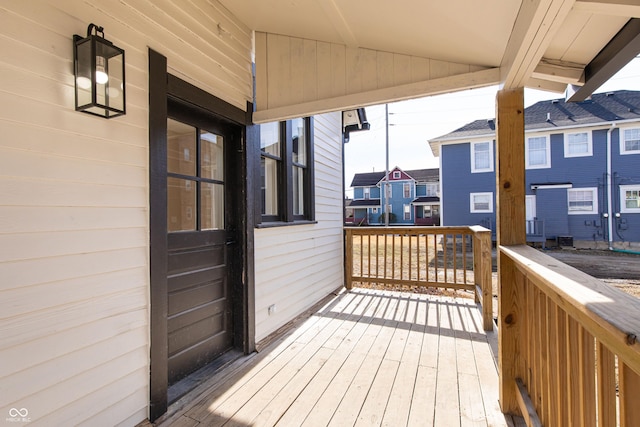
481,202
578,144
630,198
407,211
396,175
374,210
367,192
286,169
537,152
630,143
582,201
407,190
432,190
481,157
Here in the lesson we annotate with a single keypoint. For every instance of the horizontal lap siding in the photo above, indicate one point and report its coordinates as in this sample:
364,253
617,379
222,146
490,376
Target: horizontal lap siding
74,268
296,266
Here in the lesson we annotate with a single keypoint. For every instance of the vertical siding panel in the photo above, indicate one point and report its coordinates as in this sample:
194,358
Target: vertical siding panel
310,71
420,69
325,69
338,66
279,54
401,69
353,70
385,70
297,68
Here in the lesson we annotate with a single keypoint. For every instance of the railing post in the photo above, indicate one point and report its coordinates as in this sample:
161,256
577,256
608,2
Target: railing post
486,283
348,259
510,215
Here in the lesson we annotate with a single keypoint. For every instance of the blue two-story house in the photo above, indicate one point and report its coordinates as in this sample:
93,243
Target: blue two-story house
582,172
411,197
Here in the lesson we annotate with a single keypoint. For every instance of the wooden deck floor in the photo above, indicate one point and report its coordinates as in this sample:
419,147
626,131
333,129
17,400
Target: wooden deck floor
366,358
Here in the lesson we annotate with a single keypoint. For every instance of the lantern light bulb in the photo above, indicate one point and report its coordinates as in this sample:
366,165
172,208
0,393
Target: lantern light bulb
101,75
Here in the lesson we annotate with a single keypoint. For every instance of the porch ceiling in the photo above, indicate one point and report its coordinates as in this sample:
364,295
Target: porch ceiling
536,43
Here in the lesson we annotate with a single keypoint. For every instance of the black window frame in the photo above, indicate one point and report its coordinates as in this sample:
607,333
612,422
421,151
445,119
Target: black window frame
286,164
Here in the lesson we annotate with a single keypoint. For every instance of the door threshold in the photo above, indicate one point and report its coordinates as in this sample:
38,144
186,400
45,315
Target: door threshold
199,382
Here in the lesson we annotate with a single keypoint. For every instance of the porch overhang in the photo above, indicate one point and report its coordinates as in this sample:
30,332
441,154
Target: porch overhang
316,57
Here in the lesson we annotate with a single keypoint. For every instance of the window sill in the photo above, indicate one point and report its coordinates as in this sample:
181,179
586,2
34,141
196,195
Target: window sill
274,224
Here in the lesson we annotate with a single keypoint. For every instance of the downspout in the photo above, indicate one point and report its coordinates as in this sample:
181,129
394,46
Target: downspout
609,189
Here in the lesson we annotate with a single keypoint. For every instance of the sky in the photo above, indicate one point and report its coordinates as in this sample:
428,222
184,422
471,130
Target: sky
412,123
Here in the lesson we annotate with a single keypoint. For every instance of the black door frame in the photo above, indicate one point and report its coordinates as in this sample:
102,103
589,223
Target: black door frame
163,86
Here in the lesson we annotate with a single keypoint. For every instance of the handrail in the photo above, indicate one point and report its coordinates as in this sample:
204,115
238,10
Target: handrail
567,329
422,256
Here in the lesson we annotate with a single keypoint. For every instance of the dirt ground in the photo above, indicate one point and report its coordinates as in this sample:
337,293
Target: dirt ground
618,269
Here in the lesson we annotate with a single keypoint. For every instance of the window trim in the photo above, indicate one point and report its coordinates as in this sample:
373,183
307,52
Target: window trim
406,210
472,204
547,164
396,175
366,193
589,152
623,206
285,214
594,201
473,157
623,150
406,186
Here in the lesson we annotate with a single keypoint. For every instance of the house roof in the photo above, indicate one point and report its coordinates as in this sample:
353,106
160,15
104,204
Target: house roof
425,200
373,178
543,45
602,108
365,203
366,179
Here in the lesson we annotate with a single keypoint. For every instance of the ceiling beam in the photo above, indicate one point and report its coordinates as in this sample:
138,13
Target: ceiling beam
437,86
622,48
548,85
628,8
536,24
558,71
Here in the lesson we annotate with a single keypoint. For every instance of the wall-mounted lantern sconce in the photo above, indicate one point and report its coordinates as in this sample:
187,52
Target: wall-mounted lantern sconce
99,74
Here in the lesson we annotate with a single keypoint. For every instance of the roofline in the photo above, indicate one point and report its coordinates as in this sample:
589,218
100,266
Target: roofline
469,138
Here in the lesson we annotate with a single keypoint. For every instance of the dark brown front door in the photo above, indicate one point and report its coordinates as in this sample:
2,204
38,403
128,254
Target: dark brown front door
199,303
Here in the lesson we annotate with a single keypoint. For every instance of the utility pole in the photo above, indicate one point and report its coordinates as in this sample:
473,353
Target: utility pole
386,171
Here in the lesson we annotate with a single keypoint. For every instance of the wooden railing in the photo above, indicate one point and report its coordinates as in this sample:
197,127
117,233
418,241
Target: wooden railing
441,257
569,350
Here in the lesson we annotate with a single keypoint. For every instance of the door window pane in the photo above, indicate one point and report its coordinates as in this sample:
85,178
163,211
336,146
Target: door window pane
211,156
181,148
181,204
212,206
269,172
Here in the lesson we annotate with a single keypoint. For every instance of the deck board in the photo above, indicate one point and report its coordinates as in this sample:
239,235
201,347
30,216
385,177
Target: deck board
367,358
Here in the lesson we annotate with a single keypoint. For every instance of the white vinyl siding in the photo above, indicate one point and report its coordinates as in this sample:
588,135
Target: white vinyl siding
578,144
630,198
537,152
481,202
630,141
582,201
74,251
296,266
481,157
